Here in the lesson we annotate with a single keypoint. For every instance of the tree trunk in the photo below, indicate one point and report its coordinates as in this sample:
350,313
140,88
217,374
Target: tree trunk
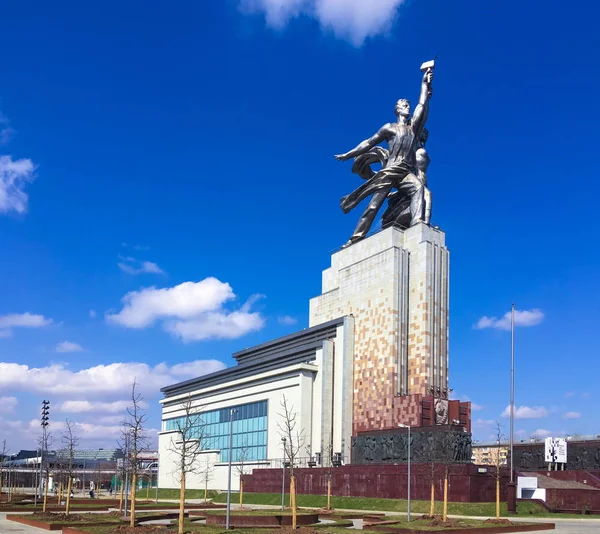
445,514
432,506
132,507
181,504
68,505
59,494
293,499
329,493
121,496
497,497
241,492
45,493
205,489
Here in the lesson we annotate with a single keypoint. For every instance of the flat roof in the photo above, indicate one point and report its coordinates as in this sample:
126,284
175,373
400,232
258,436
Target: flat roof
299,347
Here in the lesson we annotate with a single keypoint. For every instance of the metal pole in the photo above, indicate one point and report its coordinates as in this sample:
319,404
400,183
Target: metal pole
42,477
227,520
283,477
408,514
35,491
512,388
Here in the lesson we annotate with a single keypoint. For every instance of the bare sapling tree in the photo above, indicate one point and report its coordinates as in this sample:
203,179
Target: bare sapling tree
135,425
497,459
446,458
242,469
429,468
187,444
70,443
124,443
45,441
3,455
293,441
207,475
327,460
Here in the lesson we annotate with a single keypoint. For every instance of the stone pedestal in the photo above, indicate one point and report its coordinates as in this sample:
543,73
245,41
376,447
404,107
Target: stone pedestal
395,285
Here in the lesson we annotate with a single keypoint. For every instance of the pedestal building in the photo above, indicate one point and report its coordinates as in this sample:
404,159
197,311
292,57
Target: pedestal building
374,356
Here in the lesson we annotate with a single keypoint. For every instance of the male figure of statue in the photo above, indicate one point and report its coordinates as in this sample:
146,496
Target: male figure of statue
399,170
398,209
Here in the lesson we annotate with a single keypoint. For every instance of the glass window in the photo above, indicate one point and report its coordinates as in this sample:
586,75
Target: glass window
248,429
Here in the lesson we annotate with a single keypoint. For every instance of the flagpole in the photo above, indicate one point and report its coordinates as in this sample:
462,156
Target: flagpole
512,389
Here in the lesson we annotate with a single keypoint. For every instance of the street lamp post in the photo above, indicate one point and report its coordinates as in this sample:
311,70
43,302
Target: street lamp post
227,520
512,389
283,440
408,454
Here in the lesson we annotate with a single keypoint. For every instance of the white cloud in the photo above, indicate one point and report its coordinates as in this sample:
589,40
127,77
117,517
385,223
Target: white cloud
476,407
526,412
109,419
85,406
541,433
21,320
93,314
352,20
14,175
287,320
8,404
101,380
191,311
131,265
68,346
572,415
522,318
186,300
217,325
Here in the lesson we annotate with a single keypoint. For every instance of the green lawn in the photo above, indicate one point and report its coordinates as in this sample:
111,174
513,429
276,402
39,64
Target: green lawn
164,493
385,505
525,509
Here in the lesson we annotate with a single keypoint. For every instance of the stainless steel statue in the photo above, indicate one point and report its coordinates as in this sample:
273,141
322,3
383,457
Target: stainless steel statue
403,168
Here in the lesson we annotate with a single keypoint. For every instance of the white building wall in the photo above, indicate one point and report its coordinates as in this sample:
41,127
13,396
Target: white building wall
294,382
319,392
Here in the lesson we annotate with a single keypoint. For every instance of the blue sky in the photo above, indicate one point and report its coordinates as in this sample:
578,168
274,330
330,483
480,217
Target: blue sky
182,197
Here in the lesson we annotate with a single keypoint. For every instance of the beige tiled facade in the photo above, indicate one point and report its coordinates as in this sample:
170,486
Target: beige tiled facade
395,285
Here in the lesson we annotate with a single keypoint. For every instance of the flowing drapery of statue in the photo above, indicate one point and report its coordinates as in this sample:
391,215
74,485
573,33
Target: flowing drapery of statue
402,179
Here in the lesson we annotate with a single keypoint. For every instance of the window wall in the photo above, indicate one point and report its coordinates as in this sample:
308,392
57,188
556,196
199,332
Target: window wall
249,431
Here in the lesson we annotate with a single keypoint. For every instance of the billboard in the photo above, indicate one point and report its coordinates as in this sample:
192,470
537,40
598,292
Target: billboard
555,450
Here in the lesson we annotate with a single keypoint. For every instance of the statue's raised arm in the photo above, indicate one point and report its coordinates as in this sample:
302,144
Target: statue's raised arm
419,117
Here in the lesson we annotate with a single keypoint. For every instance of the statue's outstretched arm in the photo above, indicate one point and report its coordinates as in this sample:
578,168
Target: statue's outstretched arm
422,110
365,146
